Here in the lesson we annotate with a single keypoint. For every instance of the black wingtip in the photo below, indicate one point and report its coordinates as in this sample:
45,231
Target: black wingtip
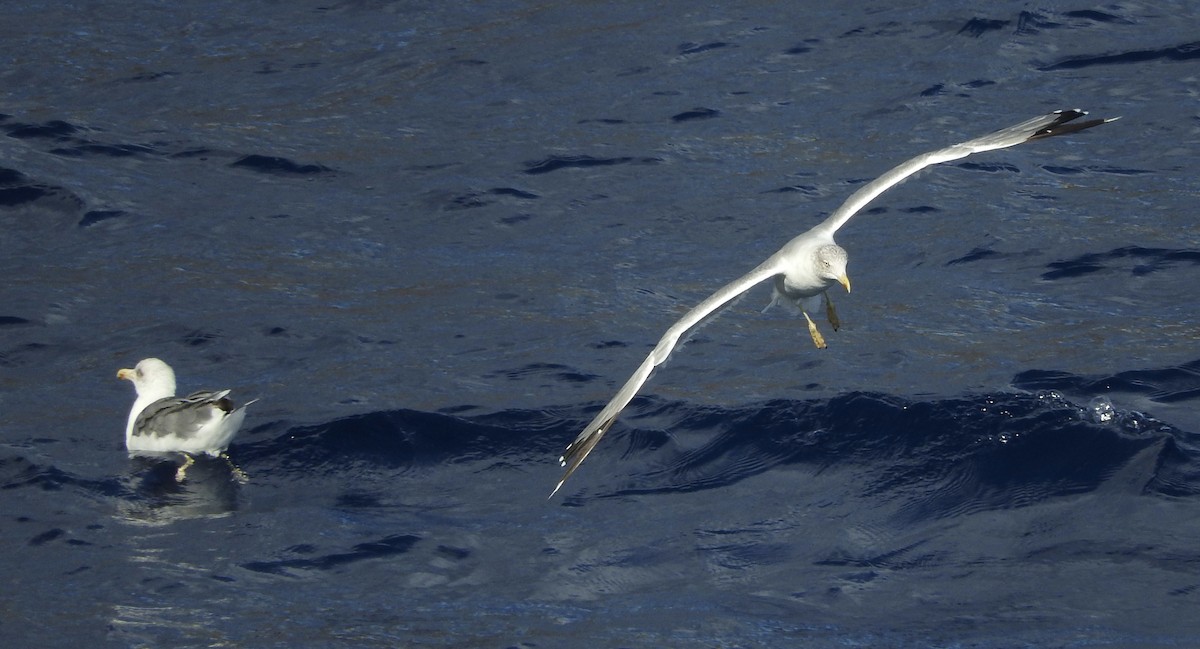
1060,125
577,451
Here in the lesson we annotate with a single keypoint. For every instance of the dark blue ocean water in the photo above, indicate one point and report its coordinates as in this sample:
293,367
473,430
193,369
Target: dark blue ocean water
433,238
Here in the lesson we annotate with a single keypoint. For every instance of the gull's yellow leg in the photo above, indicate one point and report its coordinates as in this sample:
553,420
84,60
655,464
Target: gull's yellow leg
181,472
818,339
238,474
830,313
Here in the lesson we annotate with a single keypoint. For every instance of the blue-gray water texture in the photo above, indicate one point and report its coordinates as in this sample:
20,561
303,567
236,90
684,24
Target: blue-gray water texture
433,238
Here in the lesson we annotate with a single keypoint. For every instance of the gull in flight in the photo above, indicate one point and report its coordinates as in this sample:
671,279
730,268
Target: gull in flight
807,266
201,423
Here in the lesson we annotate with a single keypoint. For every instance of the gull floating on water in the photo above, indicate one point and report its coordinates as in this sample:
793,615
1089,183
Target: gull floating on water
203,422
807,266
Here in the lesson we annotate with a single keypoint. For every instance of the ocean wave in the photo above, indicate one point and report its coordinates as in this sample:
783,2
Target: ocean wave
941,457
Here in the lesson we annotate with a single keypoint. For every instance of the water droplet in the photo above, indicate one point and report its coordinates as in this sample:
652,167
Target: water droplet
1101,410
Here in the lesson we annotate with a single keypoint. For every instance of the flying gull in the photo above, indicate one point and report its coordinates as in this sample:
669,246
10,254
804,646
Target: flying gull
807,266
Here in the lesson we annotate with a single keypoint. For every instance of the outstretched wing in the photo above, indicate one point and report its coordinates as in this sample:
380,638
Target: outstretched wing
1038,128
578,450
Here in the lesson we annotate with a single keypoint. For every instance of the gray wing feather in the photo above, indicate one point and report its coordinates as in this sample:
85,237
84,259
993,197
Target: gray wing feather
182,416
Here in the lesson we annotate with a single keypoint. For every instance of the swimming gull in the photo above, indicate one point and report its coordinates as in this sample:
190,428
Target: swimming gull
807,266
203,422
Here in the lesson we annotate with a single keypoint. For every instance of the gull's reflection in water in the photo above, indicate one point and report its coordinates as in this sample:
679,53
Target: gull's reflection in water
175,548
169,487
